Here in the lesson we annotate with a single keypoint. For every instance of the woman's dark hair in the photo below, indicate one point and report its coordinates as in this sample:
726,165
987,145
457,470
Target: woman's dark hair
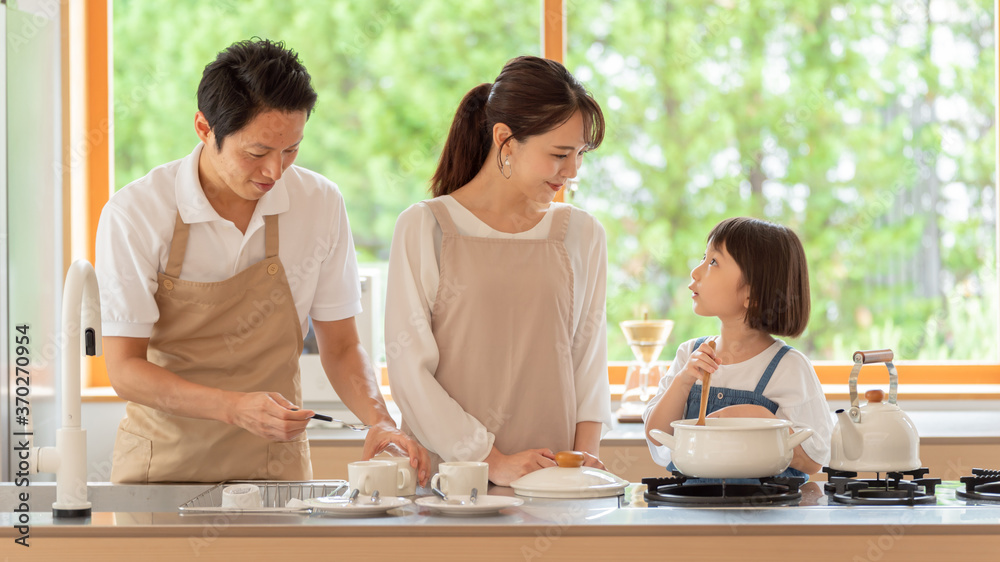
251,77
531,96
773,264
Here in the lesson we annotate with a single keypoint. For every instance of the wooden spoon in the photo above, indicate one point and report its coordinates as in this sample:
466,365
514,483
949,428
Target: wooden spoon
704,391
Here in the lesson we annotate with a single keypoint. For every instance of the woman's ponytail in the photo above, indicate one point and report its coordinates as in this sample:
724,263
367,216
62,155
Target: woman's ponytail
531,96
468,143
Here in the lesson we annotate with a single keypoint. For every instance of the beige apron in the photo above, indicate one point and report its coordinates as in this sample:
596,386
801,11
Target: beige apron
241,334
503,322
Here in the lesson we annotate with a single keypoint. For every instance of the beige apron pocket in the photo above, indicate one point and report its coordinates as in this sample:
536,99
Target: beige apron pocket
289,460
131,458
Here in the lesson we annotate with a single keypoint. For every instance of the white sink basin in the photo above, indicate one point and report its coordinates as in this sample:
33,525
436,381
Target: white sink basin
105,496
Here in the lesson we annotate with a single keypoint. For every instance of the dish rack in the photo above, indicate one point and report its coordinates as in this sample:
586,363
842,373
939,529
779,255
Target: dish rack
275,496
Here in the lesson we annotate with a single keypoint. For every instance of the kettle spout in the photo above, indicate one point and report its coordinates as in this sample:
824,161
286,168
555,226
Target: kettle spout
850,436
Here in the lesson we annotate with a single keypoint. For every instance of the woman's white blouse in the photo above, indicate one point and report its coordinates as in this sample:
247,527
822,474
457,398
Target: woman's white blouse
436,419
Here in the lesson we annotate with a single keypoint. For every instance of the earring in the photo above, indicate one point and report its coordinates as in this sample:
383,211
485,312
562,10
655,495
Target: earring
506,164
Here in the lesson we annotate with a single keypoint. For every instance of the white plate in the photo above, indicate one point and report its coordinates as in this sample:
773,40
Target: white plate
362,507
484,505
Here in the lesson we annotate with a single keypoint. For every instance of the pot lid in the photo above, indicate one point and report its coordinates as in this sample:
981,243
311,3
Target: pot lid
570,479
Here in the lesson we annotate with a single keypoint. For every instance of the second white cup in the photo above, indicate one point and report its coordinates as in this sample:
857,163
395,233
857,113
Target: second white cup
368,476
406,482
459,478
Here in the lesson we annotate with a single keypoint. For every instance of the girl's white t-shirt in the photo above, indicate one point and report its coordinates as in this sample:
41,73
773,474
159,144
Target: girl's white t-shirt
794,387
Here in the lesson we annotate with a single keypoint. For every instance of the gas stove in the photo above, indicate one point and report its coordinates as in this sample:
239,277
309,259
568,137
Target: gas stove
983,485
678,490
844,489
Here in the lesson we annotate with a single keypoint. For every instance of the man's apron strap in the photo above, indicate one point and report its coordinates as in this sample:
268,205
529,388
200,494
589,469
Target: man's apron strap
178,247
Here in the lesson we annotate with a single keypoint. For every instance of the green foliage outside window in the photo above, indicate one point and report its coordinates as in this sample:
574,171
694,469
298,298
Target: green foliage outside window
866,125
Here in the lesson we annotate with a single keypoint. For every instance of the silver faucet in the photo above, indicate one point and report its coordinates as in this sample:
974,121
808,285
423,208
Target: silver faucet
81,313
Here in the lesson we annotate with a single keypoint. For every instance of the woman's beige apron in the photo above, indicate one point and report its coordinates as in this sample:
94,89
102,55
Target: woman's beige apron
241,334
503,322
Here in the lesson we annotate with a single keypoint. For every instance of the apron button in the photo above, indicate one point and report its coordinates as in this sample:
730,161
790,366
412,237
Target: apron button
719,396
272,269
168,285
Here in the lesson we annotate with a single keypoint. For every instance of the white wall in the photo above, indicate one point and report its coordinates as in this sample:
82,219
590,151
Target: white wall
34,206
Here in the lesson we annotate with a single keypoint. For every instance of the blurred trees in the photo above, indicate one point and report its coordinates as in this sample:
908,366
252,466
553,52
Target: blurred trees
866,125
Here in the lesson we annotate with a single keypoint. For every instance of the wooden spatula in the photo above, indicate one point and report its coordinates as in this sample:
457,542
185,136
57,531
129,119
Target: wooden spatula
704,391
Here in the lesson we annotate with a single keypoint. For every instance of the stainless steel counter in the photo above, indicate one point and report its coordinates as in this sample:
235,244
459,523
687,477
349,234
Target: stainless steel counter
594,529
628,515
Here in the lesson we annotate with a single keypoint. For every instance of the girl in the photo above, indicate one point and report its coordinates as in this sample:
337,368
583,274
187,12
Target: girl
754,279
495,323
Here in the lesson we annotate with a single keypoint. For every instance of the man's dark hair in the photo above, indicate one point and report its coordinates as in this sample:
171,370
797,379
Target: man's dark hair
249,78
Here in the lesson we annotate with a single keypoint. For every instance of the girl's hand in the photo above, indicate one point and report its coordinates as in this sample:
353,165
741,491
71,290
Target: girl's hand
743,411
701,361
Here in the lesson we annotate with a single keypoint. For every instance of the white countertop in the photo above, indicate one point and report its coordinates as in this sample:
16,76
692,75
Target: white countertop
589,517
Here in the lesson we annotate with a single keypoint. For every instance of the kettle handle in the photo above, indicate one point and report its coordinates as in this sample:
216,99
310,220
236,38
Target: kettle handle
865,357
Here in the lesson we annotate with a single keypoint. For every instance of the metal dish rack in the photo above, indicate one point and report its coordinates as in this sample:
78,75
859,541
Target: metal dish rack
275,496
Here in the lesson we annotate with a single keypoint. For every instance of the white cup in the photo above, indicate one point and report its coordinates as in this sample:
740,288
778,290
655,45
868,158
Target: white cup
406,480
368,476
459,478
242,496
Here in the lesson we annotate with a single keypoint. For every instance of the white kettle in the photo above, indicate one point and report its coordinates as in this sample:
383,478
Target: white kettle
876,437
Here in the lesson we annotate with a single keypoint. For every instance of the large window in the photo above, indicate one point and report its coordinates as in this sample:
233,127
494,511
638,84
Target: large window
389,75
865,125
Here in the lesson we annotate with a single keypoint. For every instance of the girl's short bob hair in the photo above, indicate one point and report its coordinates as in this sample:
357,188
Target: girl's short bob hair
773,264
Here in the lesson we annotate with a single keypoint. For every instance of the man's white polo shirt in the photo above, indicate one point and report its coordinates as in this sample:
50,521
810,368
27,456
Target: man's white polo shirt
137,224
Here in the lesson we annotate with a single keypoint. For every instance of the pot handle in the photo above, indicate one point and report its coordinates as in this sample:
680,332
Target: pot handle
866,357
665,439
796,439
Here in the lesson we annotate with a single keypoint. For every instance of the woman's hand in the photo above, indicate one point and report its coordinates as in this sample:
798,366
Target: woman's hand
505,469
592,460
269,415
385,436
702,360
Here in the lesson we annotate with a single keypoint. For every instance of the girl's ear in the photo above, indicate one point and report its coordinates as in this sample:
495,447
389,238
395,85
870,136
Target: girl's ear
745,291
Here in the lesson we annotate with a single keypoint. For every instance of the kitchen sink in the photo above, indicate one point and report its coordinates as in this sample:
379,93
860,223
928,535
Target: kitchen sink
105,496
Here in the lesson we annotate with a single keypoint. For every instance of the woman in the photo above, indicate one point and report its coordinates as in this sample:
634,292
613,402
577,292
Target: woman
495,323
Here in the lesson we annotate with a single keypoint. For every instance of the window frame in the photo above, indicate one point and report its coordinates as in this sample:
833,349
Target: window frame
943,381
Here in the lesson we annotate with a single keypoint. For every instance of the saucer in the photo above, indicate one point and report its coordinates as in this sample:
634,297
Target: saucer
484,505
360,508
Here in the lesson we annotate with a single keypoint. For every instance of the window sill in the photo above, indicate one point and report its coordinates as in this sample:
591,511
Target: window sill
921,381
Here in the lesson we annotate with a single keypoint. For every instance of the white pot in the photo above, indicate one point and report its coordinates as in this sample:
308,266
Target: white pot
731,447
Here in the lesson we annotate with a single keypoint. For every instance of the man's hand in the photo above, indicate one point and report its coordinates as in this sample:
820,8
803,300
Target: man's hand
269,415
387,437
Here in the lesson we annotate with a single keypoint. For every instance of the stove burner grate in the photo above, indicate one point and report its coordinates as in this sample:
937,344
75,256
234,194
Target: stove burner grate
893,490
983,485
677,490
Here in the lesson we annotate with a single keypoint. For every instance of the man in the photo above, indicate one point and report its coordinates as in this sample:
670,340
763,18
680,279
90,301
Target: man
209,268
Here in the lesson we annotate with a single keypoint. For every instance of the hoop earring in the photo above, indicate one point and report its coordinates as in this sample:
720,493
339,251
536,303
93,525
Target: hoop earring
510,171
